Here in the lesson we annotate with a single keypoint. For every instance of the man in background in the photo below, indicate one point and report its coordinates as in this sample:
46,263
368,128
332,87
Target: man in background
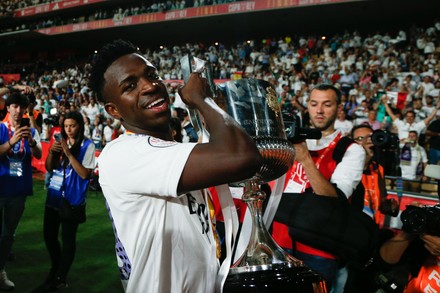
413,160
316,171
19,142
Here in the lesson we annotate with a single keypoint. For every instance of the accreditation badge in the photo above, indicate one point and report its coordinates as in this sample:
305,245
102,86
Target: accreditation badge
56,181
15,168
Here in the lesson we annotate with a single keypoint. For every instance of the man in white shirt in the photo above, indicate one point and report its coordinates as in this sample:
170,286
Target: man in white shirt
413,160
154,186
92,109
108,130
404,127
343,124
427,86
315,169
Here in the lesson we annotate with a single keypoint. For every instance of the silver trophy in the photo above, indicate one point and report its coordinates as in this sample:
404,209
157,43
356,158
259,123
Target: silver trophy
264,266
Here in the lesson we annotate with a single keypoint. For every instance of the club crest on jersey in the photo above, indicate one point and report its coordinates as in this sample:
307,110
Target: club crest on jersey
159,143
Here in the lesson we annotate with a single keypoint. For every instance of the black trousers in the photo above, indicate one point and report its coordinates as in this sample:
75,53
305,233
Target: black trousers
62,253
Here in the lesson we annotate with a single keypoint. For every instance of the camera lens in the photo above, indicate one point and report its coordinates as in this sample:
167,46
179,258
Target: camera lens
379,138
414,220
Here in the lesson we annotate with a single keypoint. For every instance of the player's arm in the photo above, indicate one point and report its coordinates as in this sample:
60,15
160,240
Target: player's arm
230,155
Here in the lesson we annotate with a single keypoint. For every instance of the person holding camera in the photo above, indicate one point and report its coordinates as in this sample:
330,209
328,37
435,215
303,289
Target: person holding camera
155,187
71,160
410,260
373,178
370,196
317,172
35,117
19,142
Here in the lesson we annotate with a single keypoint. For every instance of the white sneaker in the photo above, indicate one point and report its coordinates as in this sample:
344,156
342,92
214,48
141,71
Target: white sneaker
5,283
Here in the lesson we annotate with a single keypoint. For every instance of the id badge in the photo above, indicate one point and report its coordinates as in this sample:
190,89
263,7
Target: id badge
15,168
56,181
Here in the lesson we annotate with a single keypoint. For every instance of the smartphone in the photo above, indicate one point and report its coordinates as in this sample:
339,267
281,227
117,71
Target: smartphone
25,122
57,136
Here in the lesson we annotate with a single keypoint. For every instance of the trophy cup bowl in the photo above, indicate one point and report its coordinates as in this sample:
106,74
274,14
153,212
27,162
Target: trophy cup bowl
264,266
254,105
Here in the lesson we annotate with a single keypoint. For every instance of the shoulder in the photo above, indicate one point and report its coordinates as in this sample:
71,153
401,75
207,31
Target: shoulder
346,147
138,146
420,124
3,131
355,148
88,144
421,149
398,122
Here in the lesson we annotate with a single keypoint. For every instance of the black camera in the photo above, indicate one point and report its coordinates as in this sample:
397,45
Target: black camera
52,120
421,220
294,132
384,139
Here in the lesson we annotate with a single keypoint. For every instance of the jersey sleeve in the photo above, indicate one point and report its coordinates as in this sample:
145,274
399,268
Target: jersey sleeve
89,157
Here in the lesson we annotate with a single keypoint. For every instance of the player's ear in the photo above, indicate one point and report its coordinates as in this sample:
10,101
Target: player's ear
112,110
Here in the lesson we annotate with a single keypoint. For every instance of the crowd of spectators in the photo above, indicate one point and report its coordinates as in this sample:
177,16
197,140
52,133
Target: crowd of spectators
7,7
116,13
363,67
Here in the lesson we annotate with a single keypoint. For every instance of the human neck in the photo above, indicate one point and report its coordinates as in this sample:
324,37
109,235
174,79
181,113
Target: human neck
158,134
13,123
71,141
328,131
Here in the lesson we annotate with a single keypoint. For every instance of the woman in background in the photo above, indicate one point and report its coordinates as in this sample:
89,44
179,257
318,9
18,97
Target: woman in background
72,159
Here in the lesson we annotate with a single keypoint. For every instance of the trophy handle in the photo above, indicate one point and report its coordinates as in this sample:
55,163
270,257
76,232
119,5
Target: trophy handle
188,65
196,122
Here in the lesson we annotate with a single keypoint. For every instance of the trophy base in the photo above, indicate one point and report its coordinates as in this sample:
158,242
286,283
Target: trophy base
286,279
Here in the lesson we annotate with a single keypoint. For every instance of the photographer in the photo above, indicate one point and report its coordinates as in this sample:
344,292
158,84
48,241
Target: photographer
411,255
35,118
373,180
370,196
71,159
19,142
317,172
